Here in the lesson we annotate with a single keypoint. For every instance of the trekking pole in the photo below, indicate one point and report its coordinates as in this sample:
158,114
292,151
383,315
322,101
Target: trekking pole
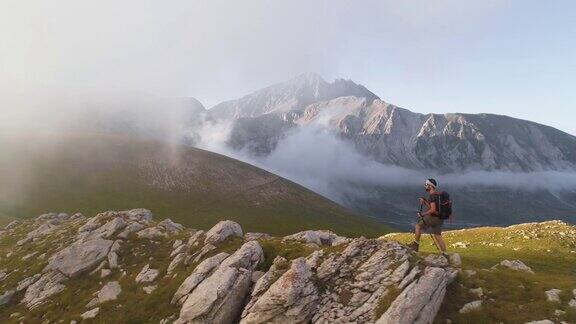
431,235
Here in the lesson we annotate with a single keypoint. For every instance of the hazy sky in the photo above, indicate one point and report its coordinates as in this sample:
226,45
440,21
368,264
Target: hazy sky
507,57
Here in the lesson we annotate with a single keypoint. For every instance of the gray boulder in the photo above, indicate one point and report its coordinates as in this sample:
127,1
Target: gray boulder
110,291
471,306
147,274
515,265
316,237
435,260
553,295
131,228
221,231
80,257
108,229
169,226
138,215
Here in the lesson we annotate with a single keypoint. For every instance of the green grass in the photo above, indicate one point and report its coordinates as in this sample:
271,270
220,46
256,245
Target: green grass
510,296
92,173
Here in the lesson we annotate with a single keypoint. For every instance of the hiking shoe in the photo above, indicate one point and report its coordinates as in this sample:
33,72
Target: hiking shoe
414,246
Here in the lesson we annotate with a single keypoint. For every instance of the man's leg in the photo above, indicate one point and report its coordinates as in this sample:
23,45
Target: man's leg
417,233
440,242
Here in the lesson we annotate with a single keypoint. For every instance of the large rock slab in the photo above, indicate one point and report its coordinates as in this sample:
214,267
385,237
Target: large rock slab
48,285
221,231
421,300
197,276
220,297
293,298
80,257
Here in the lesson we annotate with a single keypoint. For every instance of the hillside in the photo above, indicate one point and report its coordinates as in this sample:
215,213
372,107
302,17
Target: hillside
90,173
125,267
548,248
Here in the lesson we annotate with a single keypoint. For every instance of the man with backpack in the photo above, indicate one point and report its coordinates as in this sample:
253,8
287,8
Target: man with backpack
439,208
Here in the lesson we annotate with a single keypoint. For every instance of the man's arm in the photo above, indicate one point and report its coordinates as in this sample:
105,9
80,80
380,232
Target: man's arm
424,201
431,209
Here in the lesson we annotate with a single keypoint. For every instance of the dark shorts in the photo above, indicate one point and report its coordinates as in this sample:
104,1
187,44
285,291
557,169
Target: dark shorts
431,224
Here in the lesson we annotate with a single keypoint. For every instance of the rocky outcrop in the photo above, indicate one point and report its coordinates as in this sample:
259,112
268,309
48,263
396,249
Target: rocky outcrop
327,279
471,306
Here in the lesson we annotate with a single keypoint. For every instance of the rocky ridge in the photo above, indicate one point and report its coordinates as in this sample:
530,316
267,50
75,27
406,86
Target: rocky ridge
392,135
114,262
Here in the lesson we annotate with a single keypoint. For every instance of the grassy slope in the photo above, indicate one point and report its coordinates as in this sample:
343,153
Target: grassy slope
93,173
511,296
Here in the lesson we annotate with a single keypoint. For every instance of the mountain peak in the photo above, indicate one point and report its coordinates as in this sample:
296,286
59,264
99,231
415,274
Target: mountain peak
294,94
309,77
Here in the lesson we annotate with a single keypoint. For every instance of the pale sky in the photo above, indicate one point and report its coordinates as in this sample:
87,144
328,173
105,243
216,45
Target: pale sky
507,57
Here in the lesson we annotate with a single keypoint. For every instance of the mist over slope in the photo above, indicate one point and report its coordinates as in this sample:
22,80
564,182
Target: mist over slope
373,156
86,172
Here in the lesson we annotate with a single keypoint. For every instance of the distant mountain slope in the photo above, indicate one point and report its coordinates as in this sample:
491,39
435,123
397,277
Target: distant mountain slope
88,173
422,145
442,142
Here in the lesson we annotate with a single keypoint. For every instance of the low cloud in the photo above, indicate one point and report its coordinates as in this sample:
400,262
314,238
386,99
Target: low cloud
320,160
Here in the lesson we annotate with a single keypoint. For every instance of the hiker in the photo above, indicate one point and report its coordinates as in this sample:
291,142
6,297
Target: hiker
432,219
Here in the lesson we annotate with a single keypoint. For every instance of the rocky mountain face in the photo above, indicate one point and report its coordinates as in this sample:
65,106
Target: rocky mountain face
395,136
292,95
125,267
